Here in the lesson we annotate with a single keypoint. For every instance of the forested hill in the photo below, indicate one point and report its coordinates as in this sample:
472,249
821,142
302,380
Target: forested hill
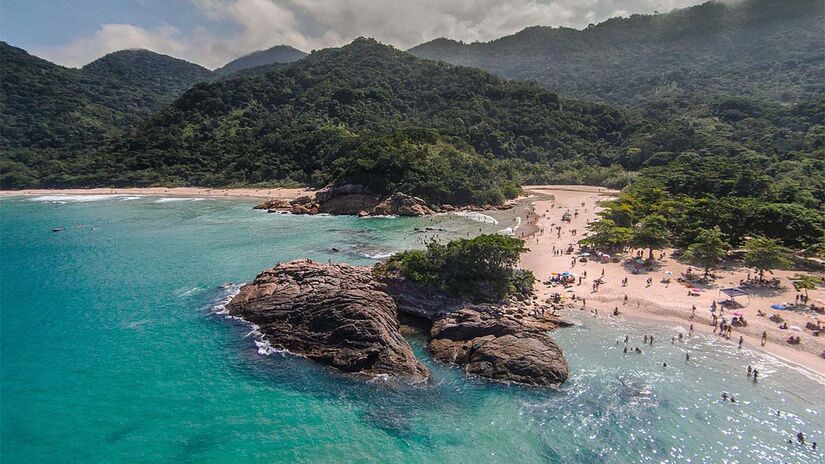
278,54
765,49
44,105
151,77
367,112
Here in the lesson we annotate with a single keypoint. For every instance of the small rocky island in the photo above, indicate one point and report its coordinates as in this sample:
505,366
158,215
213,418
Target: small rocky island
348,317
353,199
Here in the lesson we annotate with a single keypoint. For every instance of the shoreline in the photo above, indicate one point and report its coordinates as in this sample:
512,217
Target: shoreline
256,193
657,302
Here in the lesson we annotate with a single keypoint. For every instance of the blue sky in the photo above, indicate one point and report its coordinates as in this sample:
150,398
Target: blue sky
212,32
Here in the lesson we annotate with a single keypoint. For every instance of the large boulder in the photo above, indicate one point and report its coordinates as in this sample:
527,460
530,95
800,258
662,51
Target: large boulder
502,348
273,204
327,193
400,204
349,204
333,314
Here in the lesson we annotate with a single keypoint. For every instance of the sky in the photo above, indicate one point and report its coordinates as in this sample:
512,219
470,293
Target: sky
213,32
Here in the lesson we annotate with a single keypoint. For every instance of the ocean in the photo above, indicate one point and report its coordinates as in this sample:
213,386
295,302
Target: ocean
113,349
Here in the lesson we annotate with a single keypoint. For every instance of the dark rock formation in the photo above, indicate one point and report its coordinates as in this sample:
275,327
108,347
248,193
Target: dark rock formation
332,314
352,199
345,317
400,204
499,347
349,204
273,204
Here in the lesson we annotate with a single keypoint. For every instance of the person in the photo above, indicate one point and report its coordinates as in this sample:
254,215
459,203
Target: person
687,357
755,374
740,342
625,349
692,311
616,311
764,337
814,446
645,342
800,437
626,338
725,396
651,340
690,332
625,299
638,350
664,364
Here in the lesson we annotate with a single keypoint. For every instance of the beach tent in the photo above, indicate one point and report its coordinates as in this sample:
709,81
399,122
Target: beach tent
734,292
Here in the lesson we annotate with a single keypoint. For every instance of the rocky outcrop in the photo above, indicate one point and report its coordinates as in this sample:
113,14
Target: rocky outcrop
345,317
353,199
273,204
349,204
332,314
400,204
500,348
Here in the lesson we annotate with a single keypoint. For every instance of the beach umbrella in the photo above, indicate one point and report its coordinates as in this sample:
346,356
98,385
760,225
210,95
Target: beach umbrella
795,328
738,314
584,254
778,306
697,290
668,273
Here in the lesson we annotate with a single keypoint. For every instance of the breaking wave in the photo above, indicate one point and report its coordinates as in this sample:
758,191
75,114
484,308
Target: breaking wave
476,216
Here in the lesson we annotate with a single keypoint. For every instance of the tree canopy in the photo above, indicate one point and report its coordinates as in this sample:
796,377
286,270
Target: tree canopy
482,268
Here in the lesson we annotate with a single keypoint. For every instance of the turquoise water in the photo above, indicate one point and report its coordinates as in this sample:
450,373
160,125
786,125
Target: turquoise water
110,351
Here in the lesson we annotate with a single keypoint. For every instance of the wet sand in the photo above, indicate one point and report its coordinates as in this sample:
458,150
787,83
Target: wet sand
659,302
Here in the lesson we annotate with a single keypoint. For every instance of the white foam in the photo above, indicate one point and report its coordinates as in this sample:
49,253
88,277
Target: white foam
378,255
511,230
476,216
182,292
172,199
130,198
219,308
61,199
380,216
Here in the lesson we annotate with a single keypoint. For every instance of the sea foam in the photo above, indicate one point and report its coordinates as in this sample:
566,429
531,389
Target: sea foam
73,198
476,216
219,308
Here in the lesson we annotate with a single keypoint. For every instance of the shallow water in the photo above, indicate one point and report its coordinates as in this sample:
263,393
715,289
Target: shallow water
110,351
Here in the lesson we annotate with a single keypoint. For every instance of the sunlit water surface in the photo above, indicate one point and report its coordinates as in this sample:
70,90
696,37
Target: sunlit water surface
112,352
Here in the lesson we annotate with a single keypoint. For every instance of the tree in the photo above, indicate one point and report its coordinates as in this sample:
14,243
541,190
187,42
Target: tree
805,282
608,237
708,250
651,232
764,254
482,268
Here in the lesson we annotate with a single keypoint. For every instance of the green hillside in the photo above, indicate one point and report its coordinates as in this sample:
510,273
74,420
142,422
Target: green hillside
764,49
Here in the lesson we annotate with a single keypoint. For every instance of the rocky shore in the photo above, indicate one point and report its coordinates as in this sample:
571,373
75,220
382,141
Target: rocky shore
357,200
347,318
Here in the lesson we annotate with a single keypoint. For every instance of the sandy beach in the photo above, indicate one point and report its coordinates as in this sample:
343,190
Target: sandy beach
285,193
659,301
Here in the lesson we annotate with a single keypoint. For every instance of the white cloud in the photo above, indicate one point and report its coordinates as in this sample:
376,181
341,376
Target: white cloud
313,24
